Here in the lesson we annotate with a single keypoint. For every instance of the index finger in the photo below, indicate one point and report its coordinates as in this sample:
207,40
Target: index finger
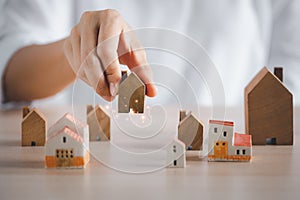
132,54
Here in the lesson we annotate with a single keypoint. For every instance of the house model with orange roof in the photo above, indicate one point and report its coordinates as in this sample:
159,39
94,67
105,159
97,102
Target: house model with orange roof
33,127
225,145
67,144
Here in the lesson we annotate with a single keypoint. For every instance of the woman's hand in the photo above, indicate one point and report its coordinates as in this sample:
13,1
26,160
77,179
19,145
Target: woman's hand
98,45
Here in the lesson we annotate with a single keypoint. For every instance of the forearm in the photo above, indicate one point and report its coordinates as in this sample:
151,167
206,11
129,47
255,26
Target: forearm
36,72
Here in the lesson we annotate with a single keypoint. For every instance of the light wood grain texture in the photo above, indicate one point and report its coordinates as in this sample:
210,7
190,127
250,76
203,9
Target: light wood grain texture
268,110
33,128
99,123
190,131
131,95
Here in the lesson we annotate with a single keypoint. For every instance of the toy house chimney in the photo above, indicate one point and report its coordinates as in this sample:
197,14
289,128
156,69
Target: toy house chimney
278,72
89,108
26,110
182,115
124,75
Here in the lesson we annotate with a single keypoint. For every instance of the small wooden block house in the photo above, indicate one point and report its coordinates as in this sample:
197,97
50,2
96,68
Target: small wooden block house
190,131
225,145
269,109
99,123
67,144
131,94
33,128
176,154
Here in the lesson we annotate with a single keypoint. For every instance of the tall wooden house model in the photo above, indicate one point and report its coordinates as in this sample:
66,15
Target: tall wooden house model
269,109
33,128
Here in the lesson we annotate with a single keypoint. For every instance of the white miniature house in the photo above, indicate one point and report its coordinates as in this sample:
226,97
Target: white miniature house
225,145
67,144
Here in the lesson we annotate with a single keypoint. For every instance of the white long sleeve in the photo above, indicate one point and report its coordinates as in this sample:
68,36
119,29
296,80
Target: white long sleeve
28,22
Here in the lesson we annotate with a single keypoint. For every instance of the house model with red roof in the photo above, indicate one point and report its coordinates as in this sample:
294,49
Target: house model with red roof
225,145
67,144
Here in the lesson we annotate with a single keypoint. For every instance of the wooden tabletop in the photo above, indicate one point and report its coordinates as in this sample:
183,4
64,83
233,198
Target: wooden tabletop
274,173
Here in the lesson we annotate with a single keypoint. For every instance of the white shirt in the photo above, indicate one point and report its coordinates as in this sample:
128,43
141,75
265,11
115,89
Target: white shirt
239,36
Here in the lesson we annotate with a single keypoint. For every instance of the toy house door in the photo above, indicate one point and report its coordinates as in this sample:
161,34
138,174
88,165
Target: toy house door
221,149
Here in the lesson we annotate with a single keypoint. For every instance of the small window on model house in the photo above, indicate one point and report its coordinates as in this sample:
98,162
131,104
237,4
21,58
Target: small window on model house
244,151
237,152
64,139
215,130
225,133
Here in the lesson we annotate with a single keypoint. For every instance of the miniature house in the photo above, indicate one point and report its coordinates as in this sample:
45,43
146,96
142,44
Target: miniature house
33,128
190,131
66,149
67,144
131,94
269,109
176,154
99,123
225,145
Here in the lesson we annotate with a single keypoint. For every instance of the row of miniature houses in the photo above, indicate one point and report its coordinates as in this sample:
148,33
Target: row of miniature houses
67,143
223,144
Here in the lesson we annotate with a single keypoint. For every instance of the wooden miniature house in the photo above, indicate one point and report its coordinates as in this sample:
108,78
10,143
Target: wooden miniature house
131,94
67,144
176,154
99,123
269,110
190,131
33,128
225,145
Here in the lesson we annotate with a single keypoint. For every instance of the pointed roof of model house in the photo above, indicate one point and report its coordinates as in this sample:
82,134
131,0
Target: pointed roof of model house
66,130
133,80
98,108
27,113
265,78
77,126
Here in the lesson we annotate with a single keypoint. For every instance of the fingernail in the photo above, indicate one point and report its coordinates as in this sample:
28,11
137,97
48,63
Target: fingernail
113,88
